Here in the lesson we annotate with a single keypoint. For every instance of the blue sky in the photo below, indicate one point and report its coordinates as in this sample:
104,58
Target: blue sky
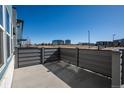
47,23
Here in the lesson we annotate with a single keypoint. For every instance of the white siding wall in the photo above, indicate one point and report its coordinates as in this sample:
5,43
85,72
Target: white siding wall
6,71
6,80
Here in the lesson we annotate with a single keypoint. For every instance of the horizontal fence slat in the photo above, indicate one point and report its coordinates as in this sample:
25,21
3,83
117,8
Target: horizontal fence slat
97,59
50,59
51,53
29,55
29,63
50,50
51,56
29,51
95,52
29,58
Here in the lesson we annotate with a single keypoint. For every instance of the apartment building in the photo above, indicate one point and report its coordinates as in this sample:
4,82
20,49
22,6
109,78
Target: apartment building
116,43
8,42
67,42
58,42
105,43
119,42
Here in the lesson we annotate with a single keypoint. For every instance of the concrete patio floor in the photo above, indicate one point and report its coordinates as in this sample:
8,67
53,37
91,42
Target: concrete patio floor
57,75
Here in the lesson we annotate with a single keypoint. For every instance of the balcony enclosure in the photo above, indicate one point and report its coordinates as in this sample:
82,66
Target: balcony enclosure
68,67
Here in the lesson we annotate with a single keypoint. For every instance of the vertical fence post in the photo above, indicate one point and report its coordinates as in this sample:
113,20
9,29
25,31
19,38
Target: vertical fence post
116,69
77,53
122,65
43,55
16,58
59,54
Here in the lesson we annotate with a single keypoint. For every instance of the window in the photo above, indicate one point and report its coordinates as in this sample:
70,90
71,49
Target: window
8,36
1,16
7,21
1,47
1,36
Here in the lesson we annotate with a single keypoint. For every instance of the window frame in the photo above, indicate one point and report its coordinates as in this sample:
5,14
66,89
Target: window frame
8,33
6,60
1,18
3,63
2,45
7,18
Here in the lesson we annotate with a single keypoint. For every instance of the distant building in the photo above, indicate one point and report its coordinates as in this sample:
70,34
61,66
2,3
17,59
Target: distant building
85,43
19,30
57,42
67,42
104,43
118,42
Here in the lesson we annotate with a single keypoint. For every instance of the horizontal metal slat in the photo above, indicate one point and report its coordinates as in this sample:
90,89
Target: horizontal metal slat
95,52
29,55
29,58
29,63
96,58
29,51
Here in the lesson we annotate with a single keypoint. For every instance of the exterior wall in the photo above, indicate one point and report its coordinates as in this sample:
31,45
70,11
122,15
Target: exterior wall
7,68
6,79
14,28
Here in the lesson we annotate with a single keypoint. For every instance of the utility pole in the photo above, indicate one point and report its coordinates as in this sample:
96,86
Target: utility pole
89,38
113,38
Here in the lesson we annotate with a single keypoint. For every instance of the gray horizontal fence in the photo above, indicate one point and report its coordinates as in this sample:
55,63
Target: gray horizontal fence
97,61
94,60
51,54
33,56
29,56
69,55
104,62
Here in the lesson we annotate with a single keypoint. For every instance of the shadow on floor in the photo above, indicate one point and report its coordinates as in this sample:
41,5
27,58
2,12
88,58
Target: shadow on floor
76,77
